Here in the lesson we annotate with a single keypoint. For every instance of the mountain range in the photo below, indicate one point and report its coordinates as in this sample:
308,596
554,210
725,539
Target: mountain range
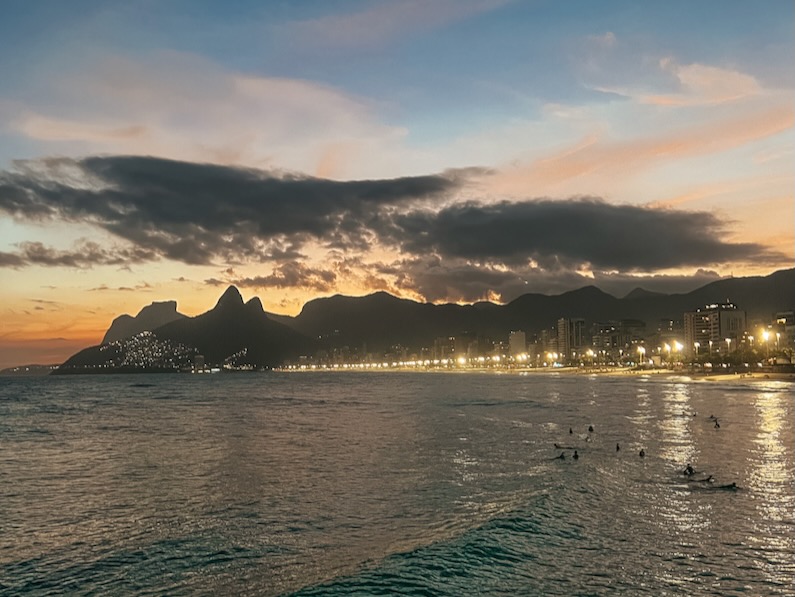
246,333
381,320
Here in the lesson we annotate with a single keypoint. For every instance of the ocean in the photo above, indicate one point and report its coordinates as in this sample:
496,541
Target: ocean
395,483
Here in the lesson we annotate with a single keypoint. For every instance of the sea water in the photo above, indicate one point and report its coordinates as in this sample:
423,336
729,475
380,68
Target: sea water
395,483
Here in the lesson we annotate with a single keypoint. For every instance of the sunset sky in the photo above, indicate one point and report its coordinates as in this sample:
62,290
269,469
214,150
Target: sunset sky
442,150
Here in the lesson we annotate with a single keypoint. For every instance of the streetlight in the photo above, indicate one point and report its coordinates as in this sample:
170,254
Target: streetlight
765,338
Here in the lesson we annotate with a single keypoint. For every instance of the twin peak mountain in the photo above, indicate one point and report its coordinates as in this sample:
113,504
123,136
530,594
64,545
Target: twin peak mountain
228,328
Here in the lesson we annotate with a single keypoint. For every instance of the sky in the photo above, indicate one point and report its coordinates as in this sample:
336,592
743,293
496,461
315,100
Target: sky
441,150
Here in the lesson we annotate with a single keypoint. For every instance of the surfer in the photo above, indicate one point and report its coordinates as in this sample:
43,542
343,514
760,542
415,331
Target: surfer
576,456
590,428
689,470
717,425
708,479
642,453
561,457
618,447
570,431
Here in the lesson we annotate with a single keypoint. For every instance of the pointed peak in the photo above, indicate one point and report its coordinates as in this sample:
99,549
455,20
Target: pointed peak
590,291
254,304
641,293
230,297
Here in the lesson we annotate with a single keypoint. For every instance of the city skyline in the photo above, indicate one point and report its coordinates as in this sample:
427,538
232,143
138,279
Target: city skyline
445,151
379,328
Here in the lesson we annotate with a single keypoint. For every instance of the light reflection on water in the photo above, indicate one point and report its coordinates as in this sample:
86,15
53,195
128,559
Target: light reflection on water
264,484
772,478
679,512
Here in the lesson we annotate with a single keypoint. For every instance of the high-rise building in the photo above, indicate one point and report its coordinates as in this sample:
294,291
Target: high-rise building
571,337
715,328
547,342
517,341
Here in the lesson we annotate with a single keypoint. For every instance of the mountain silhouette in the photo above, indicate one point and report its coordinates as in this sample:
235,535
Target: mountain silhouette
233,326
247,334
149,318
230,330
642,293
381,320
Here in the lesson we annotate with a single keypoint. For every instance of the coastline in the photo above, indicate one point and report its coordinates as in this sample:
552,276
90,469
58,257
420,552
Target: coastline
618,372
687,375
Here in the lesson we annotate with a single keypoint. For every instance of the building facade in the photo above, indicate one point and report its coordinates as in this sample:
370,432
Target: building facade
517,341
714,329
571,338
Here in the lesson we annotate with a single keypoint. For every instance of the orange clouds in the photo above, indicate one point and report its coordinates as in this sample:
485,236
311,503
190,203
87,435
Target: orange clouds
592,161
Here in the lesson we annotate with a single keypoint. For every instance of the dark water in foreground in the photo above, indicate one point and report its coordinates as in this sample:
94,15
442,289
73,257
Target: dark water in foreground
417,484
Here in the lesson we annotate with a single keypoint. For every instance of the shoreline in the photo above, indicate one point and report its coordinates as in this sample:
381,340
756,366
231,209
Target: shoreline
616,372
620,372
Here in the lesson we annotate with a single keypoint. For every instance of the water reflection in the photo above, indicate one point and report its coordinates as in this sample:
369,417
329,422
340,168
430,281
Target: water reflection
677,507
642,418
299,480
771,481
675,426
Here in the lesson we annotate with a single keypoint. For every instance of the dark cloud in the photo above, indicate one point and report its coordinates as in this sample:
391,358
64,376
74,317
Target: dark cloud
142,287
46,305
84,255
197,213
12,260
442,280
569,234
286,275
211,214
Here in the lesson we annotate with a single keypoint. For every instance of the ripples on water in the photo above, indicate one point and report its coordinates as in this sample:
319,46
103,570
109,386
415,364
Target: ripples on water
420,484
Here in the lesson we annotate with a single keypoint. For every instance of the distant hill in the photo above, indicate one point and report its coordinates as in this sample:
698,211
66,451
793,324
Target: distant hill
642,293
759,296
380,320
149,318
33,370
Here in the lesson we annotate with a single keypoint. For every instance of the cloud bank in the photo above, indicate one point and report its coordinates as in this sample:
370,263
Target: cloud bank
203,214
